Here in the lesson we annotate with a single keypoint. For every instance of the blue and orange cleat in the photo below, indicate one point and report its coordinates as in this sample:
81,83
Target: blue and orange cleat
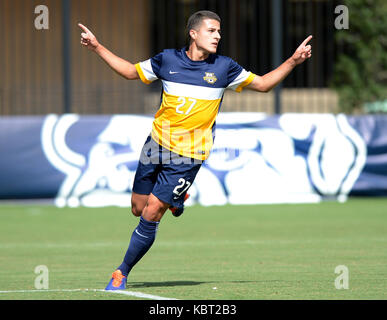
177,212
117,282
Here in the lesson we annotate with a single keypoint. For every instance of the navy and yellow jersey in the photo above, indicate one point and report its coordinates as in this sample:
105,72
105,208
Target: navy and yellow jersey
191,98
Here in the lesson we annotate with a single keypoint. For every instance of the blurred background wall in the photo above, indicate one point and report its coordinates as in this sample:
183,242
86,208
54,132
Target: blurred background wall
48,71
33,77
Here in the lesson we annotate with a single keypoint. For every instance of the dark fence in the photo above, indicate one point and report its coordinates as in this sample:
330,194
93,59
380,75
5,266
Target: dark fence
247,33
47,71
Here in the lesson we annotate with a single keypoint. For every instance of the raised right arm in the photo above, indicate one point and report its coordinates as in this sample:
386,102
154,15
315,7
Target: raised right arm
121,66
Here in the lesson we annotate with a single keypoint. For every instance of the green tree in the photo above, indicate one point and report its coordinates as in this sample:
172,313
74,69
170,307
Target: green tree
360,72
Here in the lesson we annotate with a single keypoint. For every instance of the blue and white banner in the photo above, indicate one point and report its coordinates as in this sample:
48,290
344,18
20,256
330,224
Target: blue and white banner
256,158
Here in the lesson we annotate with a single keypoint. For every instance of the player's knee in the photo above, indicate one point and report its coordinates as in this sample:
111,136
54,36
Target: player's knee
136,210
139,202
154,211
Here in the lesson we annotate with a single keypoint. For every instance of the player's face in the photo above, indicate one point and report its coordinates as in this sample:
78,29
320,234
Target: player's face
207,37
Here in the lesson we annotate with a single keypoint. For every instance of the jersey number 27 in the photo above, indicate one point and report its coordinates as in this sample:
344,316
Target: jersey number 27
183,102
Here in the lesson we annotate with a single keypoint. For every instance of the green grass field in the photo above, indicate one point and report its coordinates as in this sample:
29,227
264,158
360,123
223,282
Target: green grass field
230,252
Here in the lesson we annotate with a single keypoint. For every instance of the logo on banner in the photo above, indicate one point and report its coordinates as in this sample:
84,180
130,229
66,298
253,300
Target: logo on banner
290,158
100,175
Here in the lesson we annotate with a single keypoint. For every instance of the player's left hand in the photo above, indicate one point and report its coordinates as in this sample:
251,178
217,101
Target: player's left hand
303,52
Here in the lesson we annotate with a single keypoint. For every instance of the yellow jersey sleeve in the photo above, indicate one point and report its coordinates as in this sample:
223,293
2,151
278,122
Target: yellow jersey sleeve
244,79
145,71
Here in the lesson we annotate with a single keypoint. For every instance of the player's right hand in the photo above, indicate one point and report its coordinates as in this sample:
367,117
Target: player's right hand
87,38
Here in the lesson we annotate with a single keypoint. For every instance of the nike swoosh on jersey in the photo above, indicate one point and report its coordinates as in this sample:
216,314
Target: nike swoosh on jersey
173,72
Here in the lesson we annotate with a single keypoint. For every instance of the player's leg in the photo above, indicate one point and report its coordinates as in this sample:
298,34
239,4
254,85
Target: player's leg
138,203
173,181
144,234
154,209
141,240
186,171
146,176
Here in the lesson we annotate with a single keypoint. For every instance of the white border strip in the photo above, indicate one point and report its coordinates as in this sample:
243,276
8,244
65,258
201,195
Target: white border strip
124,292
192,91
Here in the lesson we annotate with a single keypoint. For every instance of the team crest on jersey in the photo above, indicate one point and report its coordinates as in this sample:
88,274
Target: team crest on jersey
210,77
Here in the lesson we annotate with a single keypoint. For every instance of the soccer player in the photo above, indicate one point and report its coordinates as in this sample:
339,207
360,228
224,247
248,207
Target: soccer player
194,79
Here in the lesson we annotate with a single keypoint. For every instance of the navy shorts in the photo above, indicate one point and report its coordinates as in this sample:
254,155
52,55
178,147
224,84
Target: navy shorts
165,174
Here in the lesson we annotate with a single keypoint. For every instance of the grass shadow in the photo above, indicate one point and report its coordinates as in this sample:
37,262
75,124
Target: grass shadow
177,283
163,284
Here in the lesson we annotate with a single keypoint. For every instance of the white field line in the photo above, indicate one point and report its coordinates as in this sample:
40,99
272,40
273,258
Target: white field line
127,293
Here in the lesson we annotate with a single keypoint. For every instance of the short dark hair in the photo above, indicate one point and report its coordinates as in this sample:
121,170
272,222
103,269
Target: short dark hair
195,20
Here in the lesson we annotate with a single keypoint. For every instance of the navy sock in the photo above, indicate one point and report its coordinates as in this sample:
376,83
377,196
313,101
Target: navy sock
142,239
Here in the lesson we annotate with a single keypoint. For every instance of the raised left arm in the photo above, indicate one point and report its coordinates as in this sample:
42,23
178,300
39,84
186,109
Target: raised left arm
268,81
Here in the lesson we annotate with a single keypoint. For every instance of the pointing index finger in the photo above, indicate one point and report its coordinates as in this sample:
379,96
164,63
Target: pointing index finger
307,40
83,28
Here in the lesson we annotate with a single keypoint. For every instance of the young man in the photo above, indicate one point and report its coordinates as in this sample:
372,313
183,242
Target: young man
194,79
